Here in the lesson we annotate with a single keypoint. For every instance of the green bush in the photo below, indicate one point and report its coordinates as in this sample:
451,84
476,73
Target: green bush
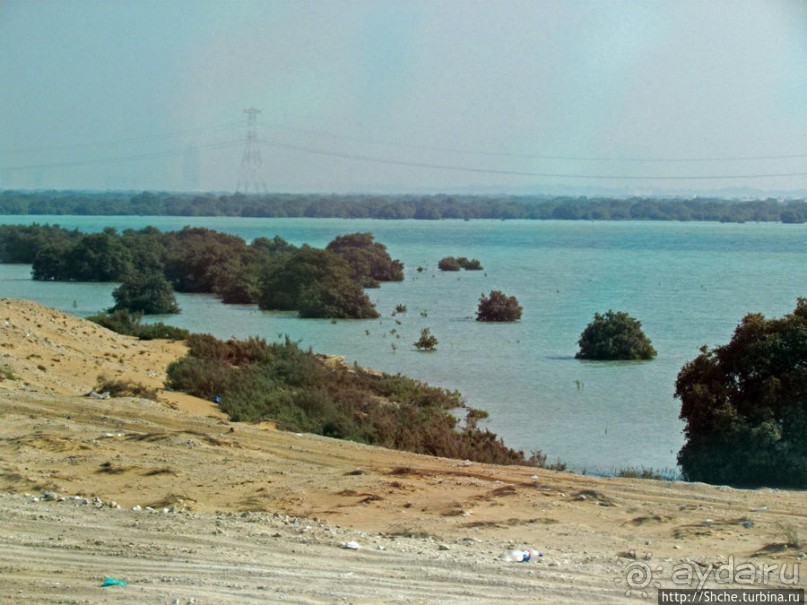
232,352
470,265
160,331
369,260
498,307
125,322
204,378
614,336
147,293
317,283
448,263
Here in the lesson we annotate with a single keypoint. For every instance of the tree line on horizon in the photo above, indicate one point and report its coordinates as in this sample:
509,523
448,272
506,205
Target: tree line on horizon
399,207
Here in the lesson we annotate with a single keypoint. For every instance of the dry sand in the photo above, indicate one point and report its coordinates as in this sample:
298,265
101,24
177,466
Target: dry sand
188,507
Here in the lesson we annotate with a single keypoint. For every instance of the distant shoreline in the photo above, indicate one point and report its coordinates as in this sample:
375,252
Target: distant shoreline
402,207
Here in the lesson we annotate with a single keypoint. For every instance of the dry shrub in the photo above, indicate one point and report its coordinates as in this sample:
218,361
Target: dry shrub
124,388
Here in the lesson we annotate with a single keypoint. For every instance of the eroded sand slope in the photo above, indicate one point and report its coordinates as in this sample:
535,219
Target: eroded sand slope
245,513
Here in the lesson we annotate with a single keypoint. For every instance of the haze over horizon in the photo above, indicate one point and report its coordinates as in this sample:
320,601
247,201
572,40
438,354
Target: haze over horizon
629,97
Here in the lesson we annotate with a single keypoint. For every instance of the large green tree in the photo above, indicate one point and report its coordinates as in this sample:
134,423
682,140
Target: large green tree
745,405
614,336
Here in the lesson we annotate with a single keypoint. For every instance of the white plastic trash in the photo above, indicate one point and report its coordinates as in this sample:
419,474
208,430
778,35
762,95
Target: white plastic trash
518,555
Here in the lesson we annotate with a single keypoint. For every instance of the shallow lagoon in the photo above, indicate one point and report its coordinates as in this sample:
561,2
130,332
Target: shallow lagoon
688,283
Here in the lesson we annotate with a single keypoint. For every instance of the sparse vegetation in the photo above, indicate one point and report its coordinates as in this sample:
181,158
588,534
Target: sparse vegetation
427,341
642,472
538,458
124,388
255,380
6,373
791,535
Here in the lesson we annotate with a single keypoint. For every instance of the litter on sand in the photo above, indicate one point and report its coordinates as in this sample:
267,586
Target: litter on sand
520,556
113,582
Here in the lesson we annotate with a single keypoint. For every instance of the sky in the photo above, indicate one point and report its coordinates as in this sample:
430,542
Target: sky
417,96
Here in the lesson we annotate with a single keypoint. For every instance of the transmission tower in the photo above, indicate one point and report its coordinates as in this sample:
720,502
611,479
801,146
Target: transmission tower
250,178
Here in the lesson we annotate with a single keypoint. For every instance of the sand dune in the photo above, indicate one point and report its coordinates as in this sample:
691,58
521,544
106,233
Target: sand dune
188,507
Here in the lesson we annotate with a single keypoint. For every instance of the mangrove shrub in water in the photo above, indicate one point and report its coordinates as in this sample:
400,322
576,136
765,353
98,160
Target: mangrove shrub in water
451,263
497,306
147,293
427,341
614,336
369,260
269,272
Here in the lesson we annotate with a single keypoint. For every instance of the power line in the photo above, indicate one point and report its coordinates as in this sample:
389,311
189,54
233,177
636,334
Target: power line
145,137
124,158
541,156
393,162
410,163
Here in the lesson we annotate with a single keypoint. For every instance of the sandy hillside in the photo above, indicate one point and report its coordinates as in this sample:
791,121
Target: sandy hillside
190,508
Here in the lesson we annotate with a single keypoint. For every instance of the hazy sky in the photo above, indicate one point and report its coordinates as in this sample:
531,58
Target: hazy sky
431,95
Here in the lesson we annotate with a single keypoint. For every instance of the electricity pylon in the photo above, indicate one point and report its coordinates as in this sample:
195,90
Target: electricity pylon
249,177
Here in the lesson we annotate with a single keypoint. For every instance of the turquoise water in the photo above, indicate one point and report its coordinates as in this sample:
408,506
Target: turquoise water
688,283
